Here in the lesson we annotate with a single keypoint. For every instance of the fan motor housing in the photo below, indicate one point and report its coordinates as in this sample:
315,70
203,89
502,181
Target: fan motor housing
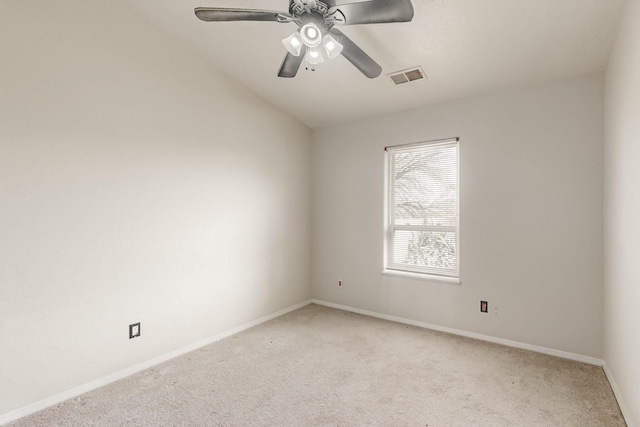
299,8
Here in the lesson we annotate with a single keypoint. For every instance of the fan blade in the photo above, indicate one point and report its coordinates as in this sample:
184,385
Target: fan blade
221,14
357,56
373,12
291,64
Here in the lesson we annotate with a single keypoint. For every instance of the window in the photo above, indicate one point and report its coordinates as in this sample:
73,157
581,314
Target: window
421,235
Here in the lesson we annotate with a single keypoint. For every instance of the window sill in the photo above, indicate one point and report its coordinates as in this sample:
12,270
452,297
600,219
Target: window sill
422,276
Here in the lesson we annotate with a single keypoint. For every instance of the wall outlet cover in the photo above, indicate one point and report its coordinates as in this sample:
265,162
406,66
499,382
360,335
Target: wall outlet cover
484,306
134,330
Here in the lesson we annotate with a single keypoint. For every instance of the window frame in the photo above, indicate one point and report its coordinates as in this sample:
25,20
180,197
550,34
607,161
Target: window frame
404,270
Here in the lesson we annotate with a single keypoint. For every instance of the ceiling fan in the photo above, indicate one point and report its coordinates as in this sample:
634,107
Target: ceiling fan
317,35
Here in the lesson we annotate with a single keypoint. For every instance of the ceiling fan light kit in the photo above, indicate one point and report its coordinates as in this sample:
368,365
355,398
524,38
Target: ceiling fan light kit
331,46
314,56
317,33
293,43
311,36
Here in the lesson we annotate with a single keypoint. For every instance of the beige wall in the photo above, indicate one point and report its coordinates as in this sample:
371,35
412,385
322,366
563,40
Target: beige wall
136,184
622,215
531,216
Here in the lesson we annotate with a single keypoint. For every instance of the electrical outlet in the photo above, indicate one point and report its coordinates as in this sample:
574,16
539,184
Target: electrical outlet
484,306
495,311
134,330
339,283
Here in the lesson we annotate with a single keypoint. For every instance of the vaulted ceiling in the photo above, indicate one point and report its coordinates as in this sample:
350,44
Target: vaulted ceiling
466,48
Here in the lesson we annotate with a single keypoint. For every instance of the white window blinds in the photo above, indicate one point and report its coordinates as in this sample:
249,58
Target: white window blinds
422,208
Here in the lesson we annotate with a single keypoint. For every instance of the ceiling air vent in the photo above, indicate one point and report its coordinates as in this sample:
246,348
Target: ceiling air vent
408,75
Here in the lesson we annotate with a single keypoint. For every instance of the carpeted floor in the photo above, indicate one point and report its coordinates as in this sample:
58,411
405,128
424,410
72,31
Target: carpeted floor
323,367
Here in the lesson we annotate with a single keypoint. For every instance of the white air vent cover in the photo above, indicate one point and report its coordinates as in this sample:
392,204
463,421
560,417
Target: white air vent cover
408,75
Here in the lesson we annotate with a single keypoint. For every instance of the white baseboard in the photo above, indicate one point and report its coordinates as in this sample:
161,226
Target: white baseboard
100,382
509,343
69,394
618,394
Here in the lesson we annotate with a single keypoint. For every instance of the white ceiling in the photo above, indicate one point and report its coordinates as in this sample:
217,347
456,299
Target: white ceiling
466,48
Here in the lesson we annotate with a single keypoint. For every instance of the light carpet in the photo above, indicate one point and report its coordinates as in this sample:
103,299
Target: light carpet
318,366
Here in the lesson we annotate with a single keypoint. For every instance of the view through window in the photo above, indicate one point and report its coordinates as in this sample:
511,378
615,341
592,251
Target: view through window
421,233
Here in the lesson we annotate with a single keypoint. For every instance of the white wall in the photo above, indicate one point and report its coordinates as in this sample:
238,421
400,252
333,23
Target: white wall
622,215
531,216
136,184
